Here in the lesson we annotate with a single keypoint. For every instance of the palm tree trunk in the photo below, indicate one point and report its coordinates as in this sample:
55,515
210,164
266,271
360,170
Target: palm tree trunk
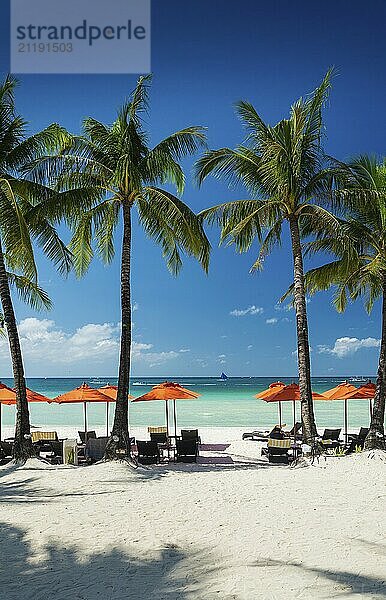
376,435
120,439
304,365
22,449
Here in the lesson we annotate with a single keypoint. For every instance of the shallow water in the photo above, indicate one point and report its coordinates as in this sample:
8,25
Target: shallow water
222,404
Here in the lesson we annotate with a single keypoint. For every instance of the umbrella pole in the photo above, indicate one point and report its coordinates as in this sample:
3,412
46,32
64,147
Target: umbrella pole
280,414
107,419
85,421
371,409
167,418
294,407
175,418
345,420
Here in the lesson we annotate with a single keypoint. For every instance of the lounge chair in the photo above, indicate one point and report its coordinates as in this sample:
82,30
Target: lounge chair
148,452
187,450
91,435
6,451
159,438
330,438
277,451
357,440
57,450
259,436
295,431
190,434
95,448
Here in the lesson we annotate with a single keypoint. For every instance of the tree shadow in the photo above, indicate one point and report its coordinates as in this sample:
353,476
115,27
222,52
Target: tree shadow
65,572
352,583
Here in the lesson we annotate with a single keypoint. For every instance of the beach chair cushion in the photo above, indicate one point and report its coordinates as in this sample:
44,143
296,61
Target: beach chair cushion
39,436
274,443
157,430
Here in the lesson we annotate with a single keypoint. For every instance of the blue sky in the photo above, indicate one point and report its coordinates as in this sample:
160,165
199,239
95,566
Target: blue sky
205,56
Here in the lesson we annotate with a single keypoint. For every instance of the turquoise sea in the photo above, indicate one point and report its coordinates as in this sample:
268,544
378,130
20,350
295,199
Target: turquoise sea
229,403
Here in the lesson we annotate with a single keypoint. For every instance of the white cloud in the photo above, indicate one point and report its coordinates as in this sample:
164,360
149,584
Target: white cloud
242,312
184,350
46,345
272,321
346,346
249,347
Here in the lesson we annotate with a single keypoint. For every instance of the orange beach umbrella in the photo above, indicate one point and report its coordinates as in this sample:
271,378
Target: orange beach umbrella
8,397
168,391
84,393
274,387
110,391
364,392
284,393
337,393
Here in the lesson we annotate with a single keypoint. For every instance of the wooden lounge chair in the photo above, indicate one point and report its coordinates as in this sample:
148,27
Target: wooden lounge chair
277,451
187,450
330,438
190,434
91,435
148,452
95,448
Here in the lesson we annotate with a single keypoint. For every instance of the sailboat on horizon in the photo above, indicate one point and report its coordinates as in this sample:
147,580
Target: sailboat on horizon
223,377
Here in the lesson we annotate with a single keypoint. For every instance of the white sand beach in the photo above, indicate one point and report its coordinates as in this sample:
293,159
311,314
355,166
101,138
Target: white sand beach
230,527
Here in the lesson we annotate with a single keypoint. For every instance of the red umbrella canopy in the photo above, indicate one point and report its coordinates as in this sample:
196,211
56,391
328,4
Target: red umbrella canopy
83,393
289,392
365,392
111,392
272,389
339,391
8,396
168,391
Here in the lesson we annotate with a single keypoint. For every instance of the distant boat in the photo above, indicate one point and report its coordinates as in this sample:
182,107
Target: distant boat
223,377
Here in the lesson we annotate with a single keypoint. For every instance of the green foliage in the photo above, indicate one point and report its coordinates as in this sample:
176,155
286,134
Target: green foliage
339,451
22,219
283,167
112,165
358,264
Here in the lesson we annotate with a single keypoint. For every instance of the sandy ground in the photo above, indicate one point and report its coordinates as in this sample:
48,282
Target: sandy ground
230,527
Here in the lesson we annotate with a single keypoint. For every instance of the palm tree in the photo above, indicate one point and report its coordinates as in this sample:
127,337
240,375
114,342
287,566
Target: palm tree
359,265
284,167
21,220
111,171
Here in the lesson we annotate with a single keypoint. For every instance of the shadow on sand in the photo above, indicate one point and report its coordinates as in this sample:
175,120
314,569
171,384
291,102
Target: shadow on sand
346,583
64,572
